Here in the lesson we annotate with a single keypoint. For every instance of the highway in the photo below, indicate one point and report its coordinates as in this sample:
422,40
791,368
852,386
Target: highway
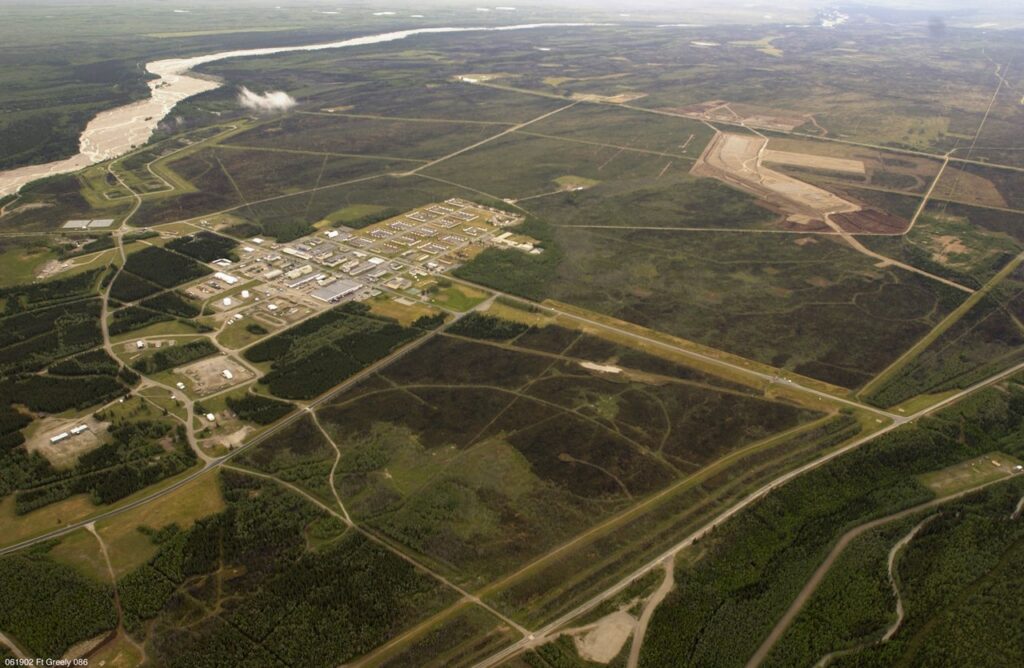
214,463
540,636
692,354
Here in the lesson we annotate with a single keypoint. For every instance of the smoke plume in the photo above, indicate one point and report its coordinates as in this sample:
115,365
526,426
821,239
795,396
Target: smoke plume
268,102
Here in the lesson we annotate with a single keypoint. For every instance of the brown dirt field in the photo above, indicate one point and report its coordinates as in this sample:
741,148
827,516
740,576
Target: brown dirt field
949,245
970,188
65,454
881,167
871,221
803,223
815,161
699,108
206,375
784,119
602,641
621,98
735,160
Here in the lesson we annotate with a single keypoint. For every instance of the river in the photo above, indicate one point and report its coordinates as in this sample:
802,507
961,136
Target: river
117,131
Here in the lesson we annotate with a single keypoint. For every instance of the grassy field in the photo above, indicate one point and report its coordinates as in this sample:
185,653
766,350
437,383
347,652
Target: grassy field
970,474
20,261
531,165
129,548
535,463
58,515
81,551
468,445
386,307
681,138
391,139
986,337
740,293
458,298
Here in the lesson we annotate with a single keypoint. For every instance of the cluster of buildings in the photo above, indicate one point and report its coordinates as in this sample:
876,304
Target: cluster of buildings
280,283
91,224
64,435
398,255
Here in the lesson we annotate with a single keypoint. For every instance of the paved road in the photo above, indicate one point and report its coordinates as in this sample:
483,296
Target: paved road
220,461
844,541
708,359
544,634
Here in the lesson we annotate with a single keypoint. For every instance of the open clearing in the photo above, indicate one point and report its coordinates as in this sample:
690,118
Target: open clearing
602,641
215,374
971,474
813,161
65,453
737,160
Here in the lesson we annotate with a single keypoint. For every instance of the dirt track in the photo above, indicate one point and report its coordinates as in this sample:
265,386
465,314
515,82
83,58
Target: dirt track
652,604
819,575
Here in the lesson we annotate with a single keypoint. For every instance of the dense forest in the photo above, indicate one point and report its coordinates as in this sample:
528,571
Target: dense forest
48,606
316,355
287,604
140,453
723,607
480,326
163,267
203,246
259,409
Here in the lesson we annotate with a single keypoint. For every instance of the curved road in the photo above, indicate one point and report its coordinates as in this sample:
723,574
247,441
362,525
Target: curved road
547,632
819,575
652,604
216,462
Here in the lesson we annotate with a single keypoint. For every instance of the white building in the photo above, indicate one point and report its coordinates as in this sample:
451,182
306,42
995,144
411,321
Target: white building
227,278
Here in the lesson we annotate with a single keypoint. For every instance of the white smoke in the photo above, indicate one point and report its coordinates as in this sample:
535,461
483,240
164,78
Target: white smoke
268,102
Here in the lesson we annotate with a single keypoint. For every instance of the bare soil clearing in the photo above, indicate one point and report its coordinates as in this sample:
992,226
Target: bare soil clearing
815,161
737,160
604,639
762,117
64,454
211,375
871,221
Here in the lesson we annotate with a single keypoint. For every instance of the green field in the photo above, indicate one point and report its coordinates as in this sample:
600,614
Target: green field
740,293
786,536
427,485
466,438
